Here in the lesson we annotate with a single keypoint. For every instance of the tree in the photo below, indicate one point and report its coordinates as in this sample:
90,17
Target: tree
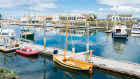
90,19
98,19
95,16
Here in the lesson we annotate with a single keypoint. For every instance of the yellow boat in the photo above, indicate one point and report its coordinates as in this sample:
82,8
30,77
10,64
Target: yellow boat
68,61
72,63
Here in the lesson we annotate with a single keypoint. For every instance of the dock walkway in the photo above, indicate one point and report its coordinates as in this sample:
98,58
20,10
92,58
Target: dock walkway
2,48
132,69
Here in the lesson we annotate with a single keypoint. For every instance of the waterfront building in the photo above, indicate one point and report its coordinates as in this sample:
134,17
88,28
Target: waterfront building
33,18
59,17
119,17
71,17
24,18
136,19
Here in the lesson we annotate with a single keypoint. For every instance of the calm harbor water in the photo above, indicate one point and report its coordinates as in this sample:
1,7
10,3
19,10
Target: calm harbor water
44,68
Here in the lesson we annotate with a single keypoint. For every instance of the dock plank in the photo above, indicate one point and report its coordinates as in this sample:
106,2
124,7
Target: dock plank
105,63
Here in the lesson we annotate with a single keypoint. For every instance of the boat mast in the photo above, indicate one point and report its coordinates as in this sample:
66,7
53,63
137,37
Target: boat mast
66,38
28,21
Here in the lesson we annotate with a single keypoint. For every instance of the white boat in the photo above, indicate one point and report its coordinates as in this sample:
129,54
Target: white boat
10,33
119,31
135,29
109,31
50,25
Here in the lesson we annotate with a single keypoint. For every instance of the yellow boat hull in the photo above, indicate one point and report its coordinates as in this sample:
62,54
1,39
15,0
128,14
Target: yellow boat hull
72,63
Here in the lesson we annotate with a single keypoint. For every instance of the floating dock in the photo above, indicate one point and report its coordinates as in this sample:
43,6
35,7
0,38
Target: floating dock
7,44
2,48
122,67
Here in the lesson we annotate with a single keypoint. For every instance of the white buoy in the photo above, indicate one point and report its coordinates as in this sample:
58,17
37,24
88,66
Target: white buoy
73,50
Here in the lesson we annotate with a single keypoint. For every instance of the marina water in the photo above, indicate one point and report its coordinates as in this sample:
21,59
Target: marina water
43,67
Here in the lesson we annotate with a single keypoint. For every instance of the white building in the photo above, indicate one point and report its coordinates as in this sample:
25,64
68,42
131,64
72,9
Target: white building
118,17
71,17
32,18
55,18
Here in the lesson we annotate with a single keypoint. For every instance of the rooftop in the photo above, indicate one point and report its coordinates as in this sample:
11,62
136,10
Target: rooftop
122,15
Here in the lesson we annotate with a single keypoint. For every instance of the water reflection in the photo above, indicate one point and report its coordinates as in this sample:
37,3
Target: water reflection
44,68
119,45
136,38
6,56
72,32
33,58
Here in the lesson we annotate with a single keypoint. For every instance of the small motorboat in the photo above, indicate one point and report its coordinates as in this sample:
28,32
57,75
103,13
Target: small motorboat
27,51
135,29
10,33
119,31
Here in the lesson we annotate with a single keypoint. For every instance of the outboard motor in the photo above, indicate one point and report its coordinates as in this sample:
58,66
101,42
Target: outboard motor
55,51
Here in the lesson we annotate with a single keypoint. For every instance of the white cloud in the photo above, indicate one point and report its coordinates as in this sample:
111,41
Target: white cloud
121,9
120,2
82,11
121,5
28,4
42,6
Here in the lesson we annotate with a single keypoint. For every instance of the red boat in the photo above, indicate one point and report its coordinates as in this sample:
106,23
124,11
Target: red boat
27,51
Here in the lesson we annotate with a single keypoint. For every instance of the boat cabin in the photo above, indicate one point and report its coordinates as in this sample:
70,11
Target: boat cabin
119,28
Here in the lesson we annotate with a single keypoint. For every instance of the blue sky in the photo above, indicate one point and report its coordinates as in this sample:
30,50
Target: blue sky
17,8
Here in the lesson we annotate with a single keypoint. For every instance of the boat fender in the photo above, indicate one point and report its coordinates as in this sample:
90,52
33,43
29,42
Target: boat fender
55,51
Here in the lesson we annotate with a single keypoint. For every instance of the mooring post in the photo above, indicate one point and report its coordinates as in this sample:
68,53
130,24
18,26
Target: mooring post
90,54
87,56
5,42
44,36
73,50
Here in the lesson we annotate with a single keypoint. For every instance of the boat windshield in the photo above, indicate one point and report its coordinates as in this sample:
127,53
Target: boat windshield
24,50
28,50
5,33
118,30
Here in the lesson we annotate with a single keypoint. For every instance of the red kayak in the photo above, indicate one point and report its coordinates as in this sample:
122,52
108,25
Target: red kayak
27,51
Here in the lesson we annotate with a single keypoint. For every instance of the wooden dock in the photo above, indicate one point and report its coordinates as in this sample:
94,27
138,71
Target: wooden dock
127,68
2,48
6,44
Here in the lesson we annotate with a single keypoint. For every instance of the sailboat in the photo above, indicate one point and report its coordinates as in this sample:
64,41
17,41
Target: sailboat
26,32
68,61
